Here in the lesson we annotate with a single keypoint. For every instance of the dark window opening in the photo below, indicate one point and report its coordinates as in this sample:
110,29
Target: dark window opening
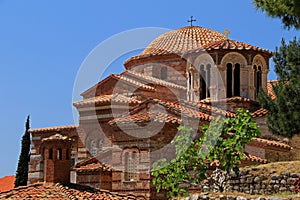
67,154
202,82
50,154
229,80
208,67
237,80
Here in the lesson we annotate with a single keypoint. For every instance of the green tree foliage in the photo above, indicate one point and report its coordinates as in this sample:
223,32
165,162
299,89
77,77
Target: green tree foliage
223,141
22,170
287,10
284,110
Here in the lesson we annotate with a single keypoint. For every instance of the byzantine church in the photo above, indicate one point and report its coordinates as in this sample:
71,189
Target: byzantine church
127,121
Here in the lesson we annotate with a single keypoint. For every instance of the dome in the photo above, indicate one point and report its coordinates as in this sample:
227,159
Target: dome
179,41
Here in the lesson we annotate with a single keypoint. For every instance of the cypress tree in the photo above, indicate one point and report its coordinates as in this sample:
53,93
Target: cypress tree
284,111
22,170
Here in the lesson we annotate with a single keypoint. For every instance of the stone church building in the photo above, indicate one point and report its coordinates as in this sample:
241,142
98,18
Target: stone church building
186,76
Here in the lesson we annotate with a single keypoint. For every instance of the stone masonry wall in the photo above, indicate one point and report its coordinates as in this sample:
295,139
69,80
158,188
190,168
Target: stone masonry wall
250,184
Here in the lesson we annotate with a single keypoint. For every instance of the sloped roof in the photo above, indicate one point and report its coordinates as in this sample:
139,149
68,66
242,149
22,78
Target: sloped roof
154,80
7,183
54,128
58,191
146,117
269,143
256,159
233,45
117,98
270,88
259,113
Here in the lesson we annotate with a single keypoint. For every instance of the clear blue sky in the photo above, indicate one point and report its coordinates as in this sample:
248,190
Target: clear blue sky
43,43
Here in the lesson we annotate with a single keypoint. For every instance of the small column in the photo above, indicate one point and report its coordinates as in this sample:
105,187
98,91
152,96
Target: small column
265,79
251,87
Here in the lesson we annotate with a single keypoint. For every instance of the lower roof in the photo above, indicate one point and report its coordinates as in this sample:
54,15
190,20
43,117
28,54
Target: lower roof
58,191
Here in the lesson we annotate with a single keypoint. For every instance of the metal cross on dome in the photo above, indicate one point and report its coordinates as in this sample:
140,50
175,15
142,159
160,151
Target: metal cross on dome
191,20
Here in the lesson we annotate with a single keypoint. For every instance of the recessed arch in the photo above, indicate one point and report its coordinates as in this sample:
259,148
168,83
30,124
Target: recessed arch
233,58
259,60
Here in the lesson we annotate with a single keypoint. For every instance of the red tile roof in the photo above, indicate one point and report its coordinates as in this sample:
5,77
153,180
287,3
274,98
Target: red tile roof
94,167
184,110
233,45
134,82
7,183
55,128
231,99
117,98
180,40
207,108
253,158
146,117
58,191
270,88
150,79
259,113
269,143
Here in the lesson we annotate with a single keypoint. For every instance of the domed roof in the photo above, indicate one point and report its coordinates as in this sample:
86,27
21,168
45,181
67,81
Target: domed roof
179,41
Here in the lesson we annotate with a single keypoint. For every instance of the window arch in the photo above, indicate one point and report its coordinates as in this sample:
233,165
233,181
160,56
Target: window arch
130,166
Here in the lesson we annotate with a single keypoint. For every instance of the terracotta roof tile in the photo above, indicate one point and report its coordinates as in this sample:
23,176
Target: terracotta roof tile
134,82
58,191
253,158
231,99
154,80
269,143
174,107
207,108
55,128
270,88
146,117
7,183
259,113
94,167
183,110
179,41
232,45
117,98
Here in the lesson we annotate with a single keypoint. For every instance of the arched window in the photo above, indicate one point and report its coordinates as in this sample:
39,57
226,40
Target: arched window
92,148
130,166
100,145
202,82
59,154
208,75
164,73
229,80
237,79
